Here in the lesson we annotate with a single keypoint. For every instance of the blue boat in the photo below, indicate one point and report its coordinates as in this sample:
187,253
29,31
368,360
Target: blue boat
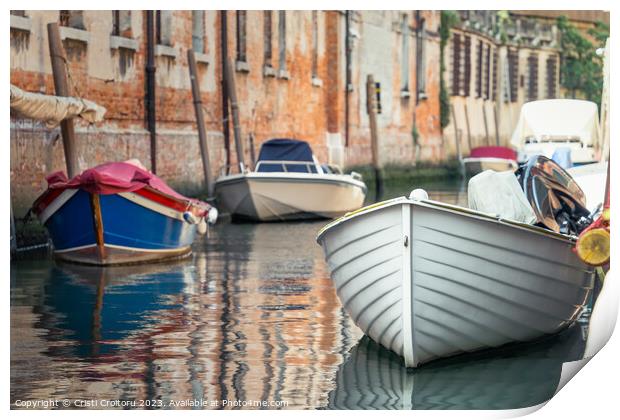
119,213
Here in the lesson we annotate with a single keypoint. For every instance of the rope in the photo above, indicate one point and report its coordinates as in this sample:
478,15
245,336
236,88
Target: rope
70,78
31,247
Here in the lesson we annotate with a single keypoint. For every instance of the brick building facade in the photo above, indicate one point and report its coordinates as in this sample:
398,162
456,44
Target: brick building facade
492,69
495,62
298,73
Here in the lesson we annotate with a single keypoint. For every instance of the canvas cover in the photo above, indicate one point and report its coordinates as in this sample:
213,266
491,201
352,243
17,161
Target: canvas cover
557,117
493,152
113,178
285,150
500,193
53,109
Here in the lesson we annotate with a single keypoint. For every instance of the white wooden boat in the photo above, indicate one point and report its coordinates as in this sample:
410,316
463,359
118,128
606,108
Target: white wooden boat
475,165
428,280
495,158
287,184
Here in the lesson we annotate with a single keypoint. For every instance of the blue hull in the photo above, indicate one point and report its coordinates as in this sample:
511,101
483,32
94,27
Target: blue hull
131,232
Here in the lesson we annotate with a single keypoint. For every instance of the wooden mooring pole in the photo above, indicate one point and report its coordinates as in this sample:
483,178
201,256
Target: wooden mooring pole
252,151
487,138
61,85
457,137
150,87
200,121
234,107
374,135
467,126
223,59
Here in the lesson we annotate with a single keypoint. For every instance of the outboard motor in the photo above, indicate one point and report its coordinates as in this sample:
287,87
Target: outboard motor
555,197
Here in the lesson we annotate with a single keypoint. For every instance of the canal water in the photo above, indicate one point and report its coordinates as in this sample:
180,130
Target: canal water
250,321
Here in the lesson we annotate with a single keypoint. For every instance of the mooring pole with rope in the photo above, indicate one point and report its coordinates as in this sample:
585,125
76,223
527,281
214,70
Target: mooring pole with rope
59,71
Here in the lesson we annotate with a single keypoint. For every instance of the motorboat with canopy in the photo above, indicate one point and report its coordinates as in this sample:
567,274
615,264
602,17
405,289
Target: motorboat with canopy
289,183
548,125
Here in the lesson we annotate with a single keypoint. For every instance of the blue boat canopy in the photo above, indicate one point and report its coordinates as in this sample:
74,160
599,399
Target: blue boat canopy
288,150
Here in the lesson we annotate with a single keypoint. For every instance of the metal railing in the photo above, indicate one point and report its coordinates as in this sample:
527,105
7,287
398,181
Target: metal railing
284,164
553,139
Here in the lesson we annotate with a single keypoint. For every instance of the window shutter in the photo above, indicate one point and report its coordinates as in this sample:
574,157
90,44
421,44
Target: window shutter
532,90
467,70
551,76
456,65
513,68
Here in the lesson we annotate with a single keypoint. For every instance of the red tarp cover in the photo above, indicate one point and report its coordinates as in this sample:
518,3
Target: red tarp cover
112,178
493,152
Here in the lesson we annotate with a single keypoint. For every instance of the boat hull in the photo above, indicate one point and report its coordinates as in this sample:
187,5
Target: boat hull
474,166
428,280
268,197
128,231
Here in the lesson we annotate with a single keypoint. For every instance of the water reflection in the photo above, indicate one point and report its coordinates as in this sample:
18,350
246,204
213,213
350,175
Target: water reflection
102,310
252,316
514,377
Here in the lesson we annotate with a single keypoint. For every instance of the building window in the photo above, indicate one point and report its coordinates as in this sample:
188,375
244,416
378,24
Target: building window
487,79
121,23
267,37
532,82
494,83
21,13
72,19
513,75
282,41
198,31
461,65
479,69
404,55
241,36
456,64
163,27
552,65
467,70
421,59
315,44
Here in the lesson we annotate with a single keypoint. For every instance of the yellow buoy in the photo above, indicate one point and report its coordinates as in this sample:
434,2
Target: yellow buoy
606,214
593,246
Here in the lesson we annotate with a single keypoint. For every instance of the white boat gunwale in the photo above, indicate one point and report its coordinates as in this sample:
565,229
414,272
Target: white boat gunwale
290,177
56,204
450,208
67,194
512,162
487,159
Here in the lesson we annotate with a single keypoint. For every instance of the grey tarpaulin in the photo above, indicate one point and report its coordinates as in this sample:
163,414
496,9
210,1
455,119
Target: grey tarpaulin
499,193
53,109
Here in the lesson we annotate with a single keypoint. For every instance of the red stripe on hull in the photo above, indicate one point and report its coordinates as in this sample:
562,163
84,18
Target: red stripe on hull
151,194
45,200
